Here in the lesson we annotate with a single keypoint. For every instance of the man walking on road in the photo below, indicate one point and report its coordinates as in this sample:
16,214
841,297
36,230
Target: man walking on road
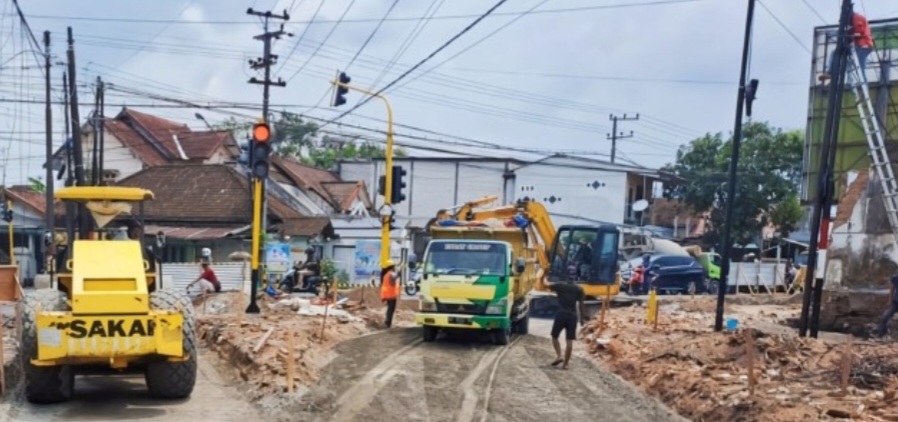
389,289
882,327
570,300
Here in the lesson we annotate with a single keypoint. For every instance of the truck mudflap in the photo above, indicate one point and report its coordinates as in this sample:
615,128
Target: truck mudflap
61,335
471,322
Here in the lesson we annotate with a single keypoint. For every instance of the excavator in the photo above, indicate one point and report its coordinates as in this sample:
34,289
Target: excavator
464,287
584,254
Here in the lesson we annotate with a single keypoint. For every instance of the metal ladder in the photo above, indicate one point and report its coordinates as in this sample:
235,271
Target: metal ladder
874,131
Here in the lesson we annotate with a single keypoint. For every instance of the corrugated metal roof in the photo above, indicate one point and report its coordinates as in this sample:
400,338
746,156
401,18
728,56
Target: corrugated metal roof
194,233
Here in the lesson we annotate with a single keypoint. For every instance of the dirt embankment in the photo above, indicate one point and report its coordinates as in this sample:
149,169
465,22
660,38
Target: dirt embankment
704,375
256,348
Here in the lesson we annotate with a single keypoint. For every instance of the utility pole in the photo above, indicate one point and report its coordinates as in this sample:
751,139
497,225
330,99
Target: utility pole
614,135
258,186
77,150
813,291
101,88
48,184
726,242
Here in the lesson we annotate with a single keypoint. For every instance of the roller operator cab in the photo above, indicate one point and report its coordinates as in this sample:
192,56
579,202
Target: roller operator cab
475,284
107,313
586,255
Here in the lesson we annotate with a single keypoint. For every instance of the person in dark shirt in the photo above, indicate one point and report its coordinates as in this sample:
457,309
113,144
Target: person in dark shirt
883,325
570,301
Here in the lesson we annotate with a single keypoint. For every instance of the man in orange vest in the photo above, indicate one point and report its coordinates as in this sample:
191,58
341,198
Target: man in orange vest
863,45
389,289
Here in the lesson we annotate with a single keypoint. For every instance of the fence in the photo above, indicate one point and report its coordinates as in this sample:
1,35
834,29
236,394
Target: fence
231,275
754,276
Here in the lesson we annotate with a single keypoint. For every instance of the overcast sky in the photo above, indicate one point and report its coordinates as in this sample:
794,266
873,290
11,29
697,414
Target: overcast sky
545,81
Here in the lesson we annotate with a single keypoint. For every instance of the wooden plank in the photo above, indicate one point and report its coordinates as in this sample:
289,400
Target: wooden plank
750,360
263,340
291,361
846,365
2,358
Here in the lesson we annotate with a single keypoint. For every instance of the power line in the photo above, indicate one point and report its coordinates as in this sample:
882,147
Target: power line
365,44
326,37
822,19
359,20
303,34
785,28
424,60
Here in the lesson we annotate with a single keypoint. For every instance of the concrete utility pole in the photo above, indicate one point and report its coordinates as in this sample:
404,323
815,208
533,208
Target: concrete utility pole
77,147
810,306
48,183
614,135
726,241
265,62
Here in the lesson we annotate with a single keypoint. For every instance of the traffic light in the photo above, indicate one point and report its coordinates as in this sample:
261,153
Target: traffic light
398,185
382,185
393,220
340,98
261,150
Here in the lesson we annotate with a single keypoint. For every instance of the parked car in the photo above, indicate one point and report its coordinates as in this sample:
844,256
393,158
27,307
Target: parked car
671,274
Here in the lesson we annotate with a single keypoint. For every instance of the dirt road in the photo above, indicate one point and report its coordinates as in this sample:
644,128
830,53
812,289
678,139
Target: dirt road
392,376
125,398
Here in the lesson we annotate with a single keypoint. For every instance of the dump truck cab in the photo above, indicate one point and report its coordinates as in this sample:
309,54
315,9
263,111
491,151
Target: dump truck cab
106,311
586,255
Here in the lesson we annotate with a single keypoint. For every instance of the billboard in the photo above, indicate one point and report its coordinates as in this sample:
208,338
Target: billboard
367,260
852,153
277,258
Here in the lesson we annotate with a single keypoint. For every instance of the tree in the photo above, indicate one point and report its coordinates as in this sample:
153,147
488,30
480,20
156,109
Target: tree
769,172
786,214
292,136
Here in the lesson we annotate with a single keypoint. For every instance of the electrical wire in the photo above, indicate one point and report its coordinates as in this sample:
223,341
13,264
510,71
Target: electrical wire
321,44
367,40
303,34
361,20
424,60
785,28
164,28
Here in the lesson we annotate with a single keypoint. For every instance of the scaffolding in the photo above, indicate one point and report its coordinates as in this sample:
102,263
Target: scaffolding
853,151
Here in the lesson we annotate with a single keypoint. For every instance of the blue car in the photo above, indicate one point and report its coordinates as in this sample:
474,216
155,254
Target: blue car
672,274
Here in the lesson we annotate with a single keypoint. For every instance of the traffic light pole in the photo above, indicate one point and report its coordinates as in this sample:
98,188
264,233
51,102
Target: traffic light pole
258,183
388,183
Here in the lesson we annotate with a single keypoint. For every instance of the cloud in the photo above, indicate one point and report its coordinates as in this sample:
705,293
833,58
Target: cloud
697,41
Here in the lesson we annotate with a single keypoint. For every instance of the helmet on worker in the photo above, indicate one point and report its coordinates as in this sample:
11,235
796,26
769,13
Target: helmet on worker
389,264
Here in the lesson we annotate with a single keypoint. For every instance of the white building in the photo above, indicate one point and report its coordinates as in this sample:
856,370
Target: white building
573,189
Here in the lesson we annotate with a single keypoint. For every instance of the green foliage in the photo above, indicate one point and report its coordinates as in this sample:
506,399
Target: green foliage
293,137
342,277
328,268
786,214
769,172
36,185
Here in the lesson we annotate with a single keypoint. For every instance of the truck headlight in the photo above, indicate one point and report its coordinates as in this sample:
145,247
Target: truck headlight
428,305
498,307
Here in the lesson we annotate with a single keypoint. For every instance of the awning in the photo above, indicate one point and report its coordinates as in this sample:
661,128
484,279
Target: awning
194,233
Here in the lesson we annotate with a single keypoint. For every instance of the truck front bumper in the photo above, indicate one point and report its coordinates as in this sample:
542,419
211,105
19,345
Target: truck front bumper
463,321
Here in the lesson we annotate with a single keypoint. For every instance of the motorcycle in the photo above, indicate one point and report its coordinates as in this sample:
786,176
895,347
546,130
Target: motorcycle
310,283
413,283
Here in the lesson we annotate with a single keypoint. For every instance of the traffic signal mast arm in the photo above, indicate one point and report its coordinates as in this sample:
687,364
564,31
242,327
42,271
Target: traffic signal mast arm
343,82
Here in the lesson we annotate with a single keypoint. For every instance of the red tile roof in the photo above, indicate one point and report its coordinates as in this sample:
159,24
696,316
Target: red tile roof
193,233
343,193
161,130
307,226
307,177
203,144
28,197
200,193
141,149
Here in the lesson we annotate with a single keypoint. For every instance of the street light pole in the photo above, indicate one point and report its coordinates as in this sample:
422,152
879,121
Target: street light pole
388,173
726,240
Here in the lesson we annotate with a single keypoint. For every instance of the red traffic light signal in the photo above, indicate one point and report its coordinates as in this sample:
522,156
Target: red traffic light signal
261,132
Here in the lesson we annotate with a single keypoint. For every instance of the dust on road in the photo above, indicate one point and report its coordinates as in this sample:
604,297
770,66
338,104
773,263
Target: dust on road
122,398
392,376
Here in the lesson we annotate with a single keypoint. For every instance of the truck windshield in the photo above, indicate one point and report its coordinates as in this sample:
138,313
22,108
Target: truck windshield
466,258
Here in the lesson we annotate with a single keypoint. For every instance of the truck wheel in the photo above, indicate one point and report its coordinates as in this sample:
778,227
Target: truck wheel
430,333
500,337
713,286
411,289
174,380
43,384
523,325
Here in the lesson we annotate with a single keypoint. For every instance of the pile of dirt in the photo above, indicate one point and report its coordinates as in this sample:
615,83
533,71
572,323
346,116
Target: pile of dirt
256,347
369,297
704,374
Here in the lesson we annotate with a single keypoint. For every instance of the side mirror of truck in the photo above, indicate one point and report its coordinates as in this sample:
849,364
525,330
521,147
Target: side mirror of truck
519,265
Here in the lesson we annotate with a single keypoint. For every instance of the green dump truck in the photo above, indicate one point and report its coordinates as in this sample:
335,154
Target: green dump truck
477,278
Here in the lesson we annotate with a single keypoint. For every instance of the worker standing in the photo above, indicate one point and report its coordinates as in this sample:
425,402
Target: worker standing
863,45
389,289
569,296
890,312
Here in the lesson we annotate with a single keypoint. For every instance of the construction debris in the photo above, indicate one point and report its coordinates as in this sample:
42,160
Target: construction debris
280,351
709,376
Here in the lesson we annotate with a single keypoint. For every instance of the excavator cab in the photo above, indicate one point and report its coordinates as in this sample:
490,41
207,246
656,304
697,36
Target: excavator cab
586,255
